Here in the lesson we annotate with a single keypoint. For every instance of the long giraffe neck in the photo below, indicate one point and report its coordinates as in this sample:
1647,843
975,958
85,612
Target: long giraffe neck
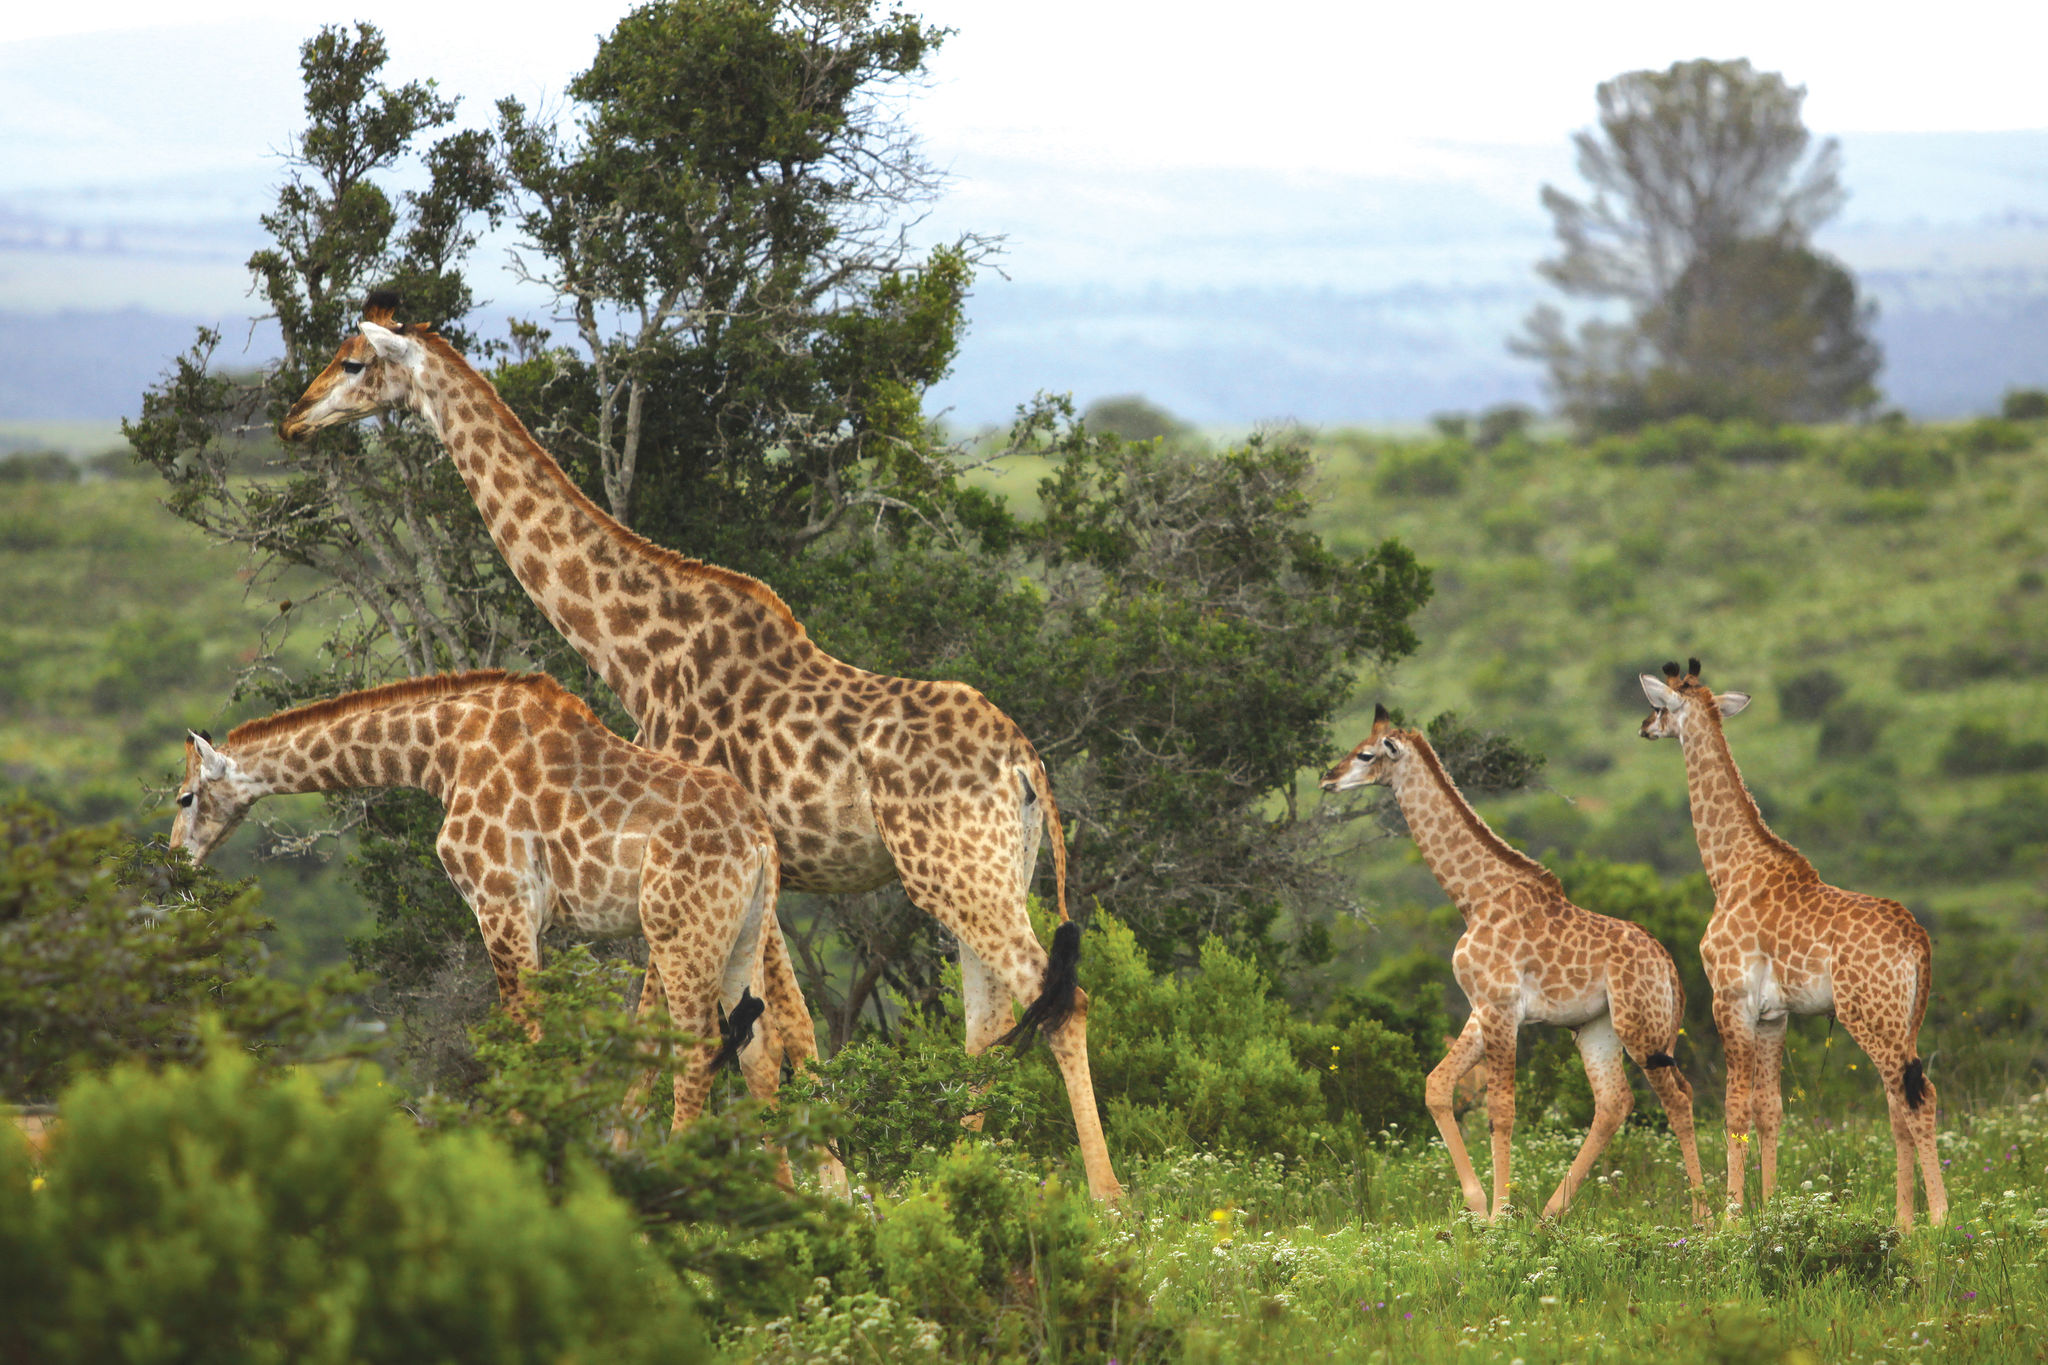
620,600
385,737
1462,851
1725,819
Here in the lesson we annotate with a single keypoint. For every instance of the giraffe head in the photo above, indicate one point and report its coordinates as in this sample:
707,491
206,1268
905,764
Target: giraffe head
377,369
1373,762
212,799
1679,693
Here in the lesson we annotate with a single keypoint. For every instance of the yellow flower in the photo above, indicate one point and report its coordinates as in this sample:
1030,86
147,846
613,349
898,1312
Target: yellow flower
1219,1215
37,1183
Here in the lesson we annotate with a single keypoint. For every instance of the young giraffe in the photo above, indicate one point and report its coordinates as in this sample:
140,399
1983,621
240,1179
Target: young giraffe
1783,942
1528,955
551,819
865,778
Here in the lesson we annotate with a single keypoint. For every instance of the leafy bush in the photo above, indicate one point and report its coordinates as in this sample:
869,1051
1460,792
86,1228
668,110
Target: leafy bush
1502,422
1743,442
2024,405
145,656
113,949
1010,1266
1994,436
706,1196
1965,662
905,1096
38,466
1213,1059
1432,472
1895,461
214,1215
1808,695
1975,747
1850,730
1685,440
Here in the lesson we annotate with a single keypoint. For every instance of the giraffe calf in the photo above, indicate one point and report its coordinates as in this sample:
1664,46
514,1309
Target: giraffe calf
551,820
1528,955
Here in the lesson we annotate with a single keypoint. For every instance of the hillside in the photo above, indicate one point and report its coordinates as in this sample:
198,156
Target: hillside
1880,593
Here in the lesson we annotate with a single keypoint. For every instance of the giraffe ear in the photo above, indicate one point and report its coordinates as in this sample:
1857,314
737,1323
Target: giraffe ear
1661,697
1393,747
1732,703
388,344
213,764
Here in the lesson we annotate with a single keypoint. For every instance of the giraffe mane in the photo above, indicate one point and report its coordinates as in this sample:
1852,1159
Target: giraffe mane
331,709
1484,832
660,555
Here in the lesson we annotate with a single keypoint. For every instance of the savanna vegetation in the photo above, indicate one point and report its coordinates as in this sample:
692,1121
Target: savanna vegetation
265,1155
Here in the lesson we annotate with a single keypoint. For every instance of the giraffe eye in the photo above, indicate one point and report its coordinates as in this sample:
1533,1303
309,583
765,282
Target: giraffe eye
352,367
184,798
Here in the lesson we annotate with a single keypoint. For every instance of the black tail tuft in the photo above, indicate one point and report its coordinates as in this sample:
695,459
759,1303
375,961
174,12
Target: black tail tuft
739,1030
1657,1059
1916,1084
1056,997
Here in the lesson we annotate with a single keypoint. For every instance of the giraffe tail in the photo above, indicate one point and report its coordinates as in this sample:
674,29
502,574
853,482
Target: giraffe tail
739,1030
1043,785
1057,997
1915,1079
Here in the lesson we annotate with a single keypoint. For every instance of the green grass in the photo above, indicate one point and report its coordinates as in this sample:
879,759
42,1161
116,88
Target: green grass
1374,1259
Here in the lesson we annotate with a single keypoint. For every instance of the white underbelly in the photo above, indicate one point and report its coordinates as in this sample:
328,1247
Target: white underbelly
1775,999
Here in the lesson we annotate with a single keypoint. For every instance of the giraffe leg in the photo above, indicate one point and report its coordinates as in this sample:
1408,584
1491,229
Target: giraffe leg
1767,1098
966,861
1890,1058
1648,1019
1920,1118
1676,1095
1738,1044
635,1105
795,1036
987,1006
1601,1051
1440,1094
1500,1030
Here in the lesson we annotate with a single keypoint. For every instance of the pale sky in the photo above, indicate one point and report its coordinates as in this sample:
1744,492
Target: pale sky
1341,88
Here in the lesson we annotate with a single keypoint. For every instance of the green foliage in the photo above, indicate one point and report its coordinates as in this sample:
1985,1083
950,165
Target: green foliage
1895,461
1132,417
1994,436
1011,1267
1808,695
1432,472
38,466
2024,405
905,1096
221,1215
1851,730
113,950
1802,1239
1212,1059
1976,746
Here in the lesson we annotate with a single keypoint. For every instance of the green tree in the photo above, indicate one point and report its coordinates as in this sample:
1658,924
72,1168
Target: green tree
1706,189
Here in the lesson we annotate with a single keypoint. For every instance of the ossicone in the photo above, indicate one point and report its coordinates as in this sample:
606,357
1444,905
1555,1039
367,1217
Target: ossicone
381,307
1671,669
1692,668
1379,712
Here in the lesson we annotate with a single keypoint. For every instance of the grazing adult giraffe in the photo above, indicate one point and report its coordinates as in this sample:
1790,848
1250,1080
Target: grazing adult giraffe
1528,955
1783,942
865,778
551,819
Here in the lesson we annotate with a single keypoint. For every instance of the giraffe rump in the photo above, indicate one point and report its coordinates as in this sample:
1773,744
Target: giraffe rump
1056,998
739,1030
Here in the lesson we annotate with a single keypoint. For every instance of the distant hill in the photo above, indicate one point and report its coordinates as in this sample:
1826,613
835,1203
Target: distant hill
1229,296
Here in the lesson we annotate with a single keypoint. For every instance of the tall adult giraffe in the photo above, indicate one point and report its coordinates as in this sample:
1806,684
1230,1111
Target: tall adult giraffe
1783,942
1528,955
864,777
